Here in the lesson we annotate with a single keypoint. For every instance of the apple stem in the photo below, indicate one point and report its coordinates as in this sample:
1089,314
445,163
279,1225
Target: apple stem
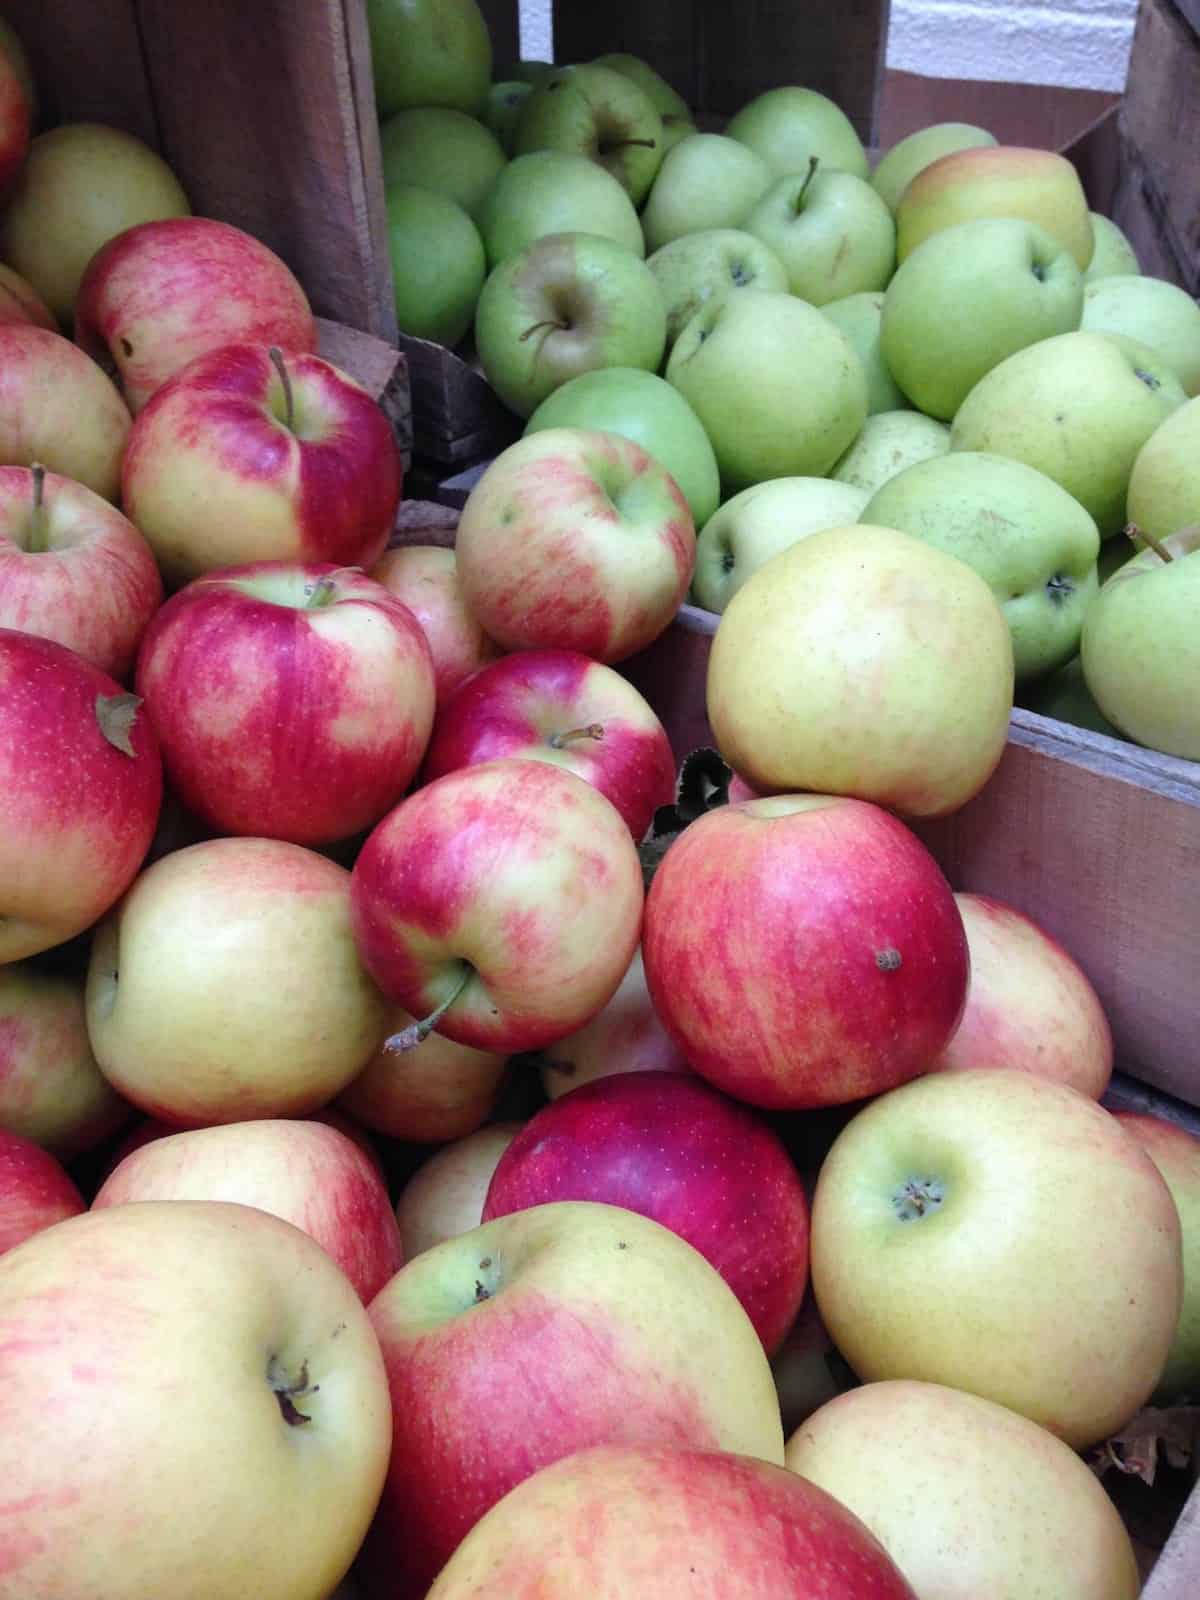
37,517
626,144
409,1038
594,730
277,361
321,592
547,325
813,163
1132,531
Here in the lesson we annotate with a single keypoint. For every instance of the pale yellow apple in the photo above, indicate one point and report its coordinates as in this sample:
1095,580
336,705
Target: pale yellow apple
439,1090
1159,314
444,1197
1164,485
1113,254
626,1036
889,442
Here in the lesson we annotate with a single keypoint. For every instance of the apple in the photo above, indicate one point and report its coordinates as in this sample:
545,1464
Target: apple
444,1197
804,950
860,318
1064,696
805,1367
758,523
900,165
438,263
429,53
16,115
953,1233
35,1191
863,661
503,111
1032,544
600,1326
72,568
1113,255
251,455
788,126
626,1036
608,1522
1078,407
162,293
997,181
438,1091
80,788
667,101
706,181
568,303
1176,1154
84,183
888,442
666,1145
59,410
424,577
553,191
779,390
989,1502
460,904
645,408
970,295
1164,485
592,111
254,931
1159,314
830,229
575,539
443,150
1141,649
1029,1005
698,267
563,708
107,1321
20,301
291,701
309,1174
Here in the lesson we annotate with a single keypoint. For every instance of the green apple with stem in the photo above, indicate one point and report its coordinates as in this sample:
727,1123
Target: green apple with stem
1159,314
969,296
567,304
889,442
860,317
707,181
789,125
779,389
503,109
830,229
1032,544
674,110
1164,486
441,149
553,191
429,53
595,112
913,154
438,265
1078,407
1141,646
1112,256
704,266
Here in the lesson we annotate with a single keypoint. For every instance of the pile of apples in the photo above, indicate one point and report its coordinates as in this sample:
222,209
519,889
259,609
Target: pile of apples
951,344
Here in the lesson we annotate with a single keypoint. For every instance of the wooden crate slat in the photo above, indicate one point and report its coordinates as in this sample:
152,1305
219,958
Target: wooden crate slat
503,22
87,60
1176,1573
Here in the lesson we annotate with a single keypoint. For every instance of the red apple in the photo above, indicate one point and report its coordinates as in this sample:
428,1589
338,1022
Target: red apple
575,539
164,292
72,568
58,409
444,1197
303,1171
804,950
80,786
20,301
439,1090
425,578
506,898
291,701
15,118
248,454
147,1129
557,706
35,1192
668,1146
1029,1005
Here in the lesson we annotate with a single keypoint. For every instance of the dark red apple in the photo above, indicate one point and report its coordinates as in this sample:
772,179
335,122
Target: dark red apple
35,1191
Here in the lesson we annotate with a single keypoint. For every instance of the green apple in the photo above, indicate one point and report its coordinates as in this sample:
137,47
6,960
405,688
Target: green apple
1141,647
1027,539
788,126
919,150
595,112
438,265
645,408
760,522
671,106
889,442
969,296
997,181
1077,407
429,53
1158,313
1065,696
567,304
552,191
1164,486
832,232
778,388
503,110
440,149
699,267
1113,256
707,181
860,317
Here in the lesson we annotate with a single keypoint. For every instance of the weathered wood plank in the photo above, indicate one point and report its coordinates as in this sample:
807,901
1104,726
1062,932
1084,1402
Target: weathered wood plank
88,62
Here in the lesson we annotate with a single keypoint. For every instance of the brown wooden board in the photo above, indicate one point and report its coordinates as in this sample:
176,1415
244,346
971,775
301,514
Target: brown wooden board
379,367
88,63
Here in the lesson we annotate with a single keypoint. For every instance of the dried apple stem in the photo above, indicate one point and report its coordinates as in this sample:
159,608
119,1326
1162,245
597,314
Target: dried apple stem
38,531
1132,531
409,1038
277,361
594,730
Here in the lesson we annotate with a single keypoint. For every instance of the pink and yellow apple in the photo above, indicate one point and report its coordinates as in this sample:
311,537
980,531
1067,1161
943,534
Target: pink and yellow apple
438,1091
20,301
58,409
424,577
626,1036
35,1191
444,1197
